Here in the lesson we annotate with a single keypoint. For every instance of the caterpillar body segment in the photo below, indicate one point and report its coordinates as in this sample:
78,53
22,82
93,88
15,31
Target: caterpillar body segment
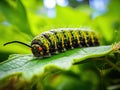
60,40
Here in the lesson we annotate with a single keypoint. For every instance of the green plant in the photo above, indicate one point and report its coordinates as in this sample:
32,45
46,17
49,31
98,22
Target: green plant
90,68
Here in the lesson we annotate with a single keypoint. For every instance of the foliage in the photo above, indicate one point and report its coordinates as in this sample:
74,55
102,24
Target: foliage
23,19
25,69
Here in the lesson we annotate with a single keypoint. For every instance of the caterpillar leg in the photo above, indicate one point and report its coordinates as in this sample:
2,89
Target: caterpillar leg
72,47
64,49
55,52
47,55
61,47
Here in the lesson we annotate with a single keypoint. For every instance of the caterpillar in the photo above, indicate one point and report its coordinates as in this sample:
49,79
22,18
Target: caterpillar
60,40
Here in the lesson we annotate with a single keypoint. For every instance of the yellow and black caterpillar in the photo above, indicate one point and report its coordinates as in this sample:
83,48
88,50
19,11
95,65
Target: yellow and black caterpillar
60,40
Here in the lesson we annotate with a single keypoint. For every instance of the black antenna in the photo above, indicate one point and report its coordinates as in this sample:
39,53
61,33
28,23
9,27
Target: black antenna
17,42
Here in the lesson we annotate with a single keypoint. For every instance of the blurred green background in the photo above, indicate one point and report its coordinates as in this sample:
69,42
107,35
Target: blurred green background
23,19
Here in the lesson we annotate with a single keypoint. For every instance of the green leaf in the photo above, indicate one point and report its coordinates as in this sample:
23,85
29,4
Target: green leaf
26,69
15,14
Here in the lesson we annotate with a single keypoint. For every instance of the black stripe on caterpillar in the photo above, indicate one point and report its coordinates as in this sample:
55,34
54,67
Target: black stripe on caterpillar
60,40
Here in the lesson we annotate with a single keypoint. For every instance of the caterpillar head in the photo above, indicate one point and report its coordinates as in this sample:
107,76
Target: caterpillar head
37,50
